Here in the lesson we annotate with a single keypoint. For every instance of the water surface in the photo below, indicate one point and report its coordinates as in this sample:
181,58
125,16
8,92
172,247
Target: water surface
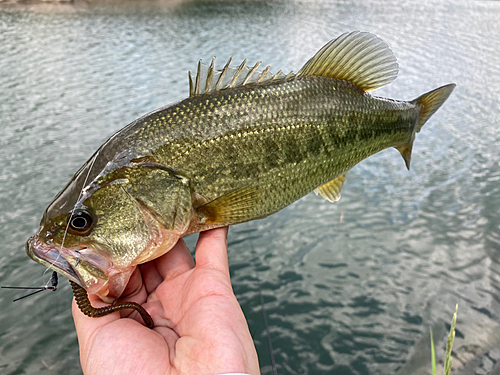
349,288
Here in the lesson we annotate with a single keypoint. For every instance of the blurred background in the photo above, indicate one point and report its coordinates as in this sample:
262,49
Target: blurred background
348,288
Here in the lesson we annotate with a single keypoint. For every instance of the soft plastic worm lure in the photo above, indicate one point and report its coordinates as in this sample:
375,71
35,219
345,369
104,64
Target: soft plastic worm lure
83,302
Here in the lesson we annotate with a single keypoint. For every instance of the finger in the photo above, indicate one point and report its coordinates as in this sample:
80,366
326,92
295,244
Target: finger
211,250
135,290
176,261
150,276
87,326
105,341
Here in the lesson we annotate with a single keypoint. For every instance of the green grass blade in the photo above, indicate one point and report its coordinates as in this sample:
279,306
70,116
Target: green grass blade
433,355
449,344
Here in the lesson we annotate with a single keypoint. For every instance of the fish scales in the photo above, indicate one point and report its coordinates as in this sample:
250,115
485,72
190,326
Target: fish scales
295,136
244,145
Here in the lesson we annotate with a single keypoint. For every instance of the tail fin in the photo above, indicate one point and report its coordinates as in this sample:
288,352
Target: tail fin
430,103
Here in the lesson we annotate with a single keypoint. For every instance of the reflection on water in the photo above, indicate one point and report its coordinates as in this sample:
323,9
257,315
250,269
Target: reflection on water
349,288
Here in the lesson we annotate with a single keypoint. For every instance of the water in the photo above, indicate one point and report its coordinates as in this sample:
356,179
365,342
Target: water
349,288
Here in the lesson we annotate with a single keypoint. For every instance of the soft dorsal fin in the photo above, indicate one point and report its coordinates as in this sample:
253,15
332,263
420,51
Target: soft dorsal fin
331,190
208,80
358,57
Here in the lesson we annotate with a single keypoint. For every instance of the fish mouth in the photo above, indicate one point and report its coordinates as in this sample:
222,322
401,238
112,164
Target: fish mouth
51,258
80,265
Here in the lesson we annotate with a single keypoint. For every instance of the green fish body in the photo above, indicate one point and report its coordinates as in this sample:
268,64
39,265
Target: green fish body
244,145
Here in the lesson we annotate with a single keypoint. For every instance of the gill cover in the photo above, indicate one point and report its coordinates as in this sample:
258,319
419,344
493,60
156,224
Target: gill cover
139,209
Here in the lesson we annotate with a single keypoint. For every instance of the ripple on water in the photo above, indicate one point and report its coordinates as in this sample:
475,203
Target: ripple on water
349,288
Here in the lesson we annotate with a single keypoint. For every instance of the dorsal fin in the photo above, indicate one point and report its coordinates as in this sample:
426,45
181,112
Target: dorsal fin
208,80
358,57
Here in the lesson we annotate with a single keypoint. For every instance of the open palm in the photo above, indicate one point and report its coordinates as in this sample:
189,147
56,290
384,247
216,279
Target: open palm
199,325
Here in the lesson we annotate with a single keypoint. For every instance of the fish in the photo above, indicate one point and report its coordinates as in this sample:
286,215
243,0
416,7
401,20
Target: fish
245,144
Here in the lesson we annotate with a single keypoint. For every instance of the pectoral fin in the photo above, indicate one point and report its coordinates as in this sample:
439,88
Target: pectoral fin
235,207
331,190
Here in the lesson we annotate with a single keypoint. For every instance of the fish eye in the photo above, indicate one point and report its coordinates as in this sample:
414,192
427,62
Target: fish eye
80,223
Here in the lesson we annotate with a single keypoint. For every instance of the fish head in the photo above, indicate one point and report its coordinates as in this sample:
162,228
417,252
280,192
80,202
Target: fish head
125,217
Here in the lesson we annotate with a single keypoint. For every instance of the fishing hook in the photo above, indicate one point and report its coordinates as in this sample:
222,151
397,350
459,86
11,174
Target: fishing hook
53,287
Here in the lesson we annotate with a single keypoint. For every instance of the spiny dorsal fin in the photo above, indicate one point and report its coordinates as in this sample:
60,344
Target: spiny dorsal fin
331,190
208,80
358,57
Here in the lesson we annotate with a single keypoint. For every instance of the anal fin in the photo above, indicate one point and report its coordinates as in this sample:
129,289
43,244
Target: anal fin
234,207
331,190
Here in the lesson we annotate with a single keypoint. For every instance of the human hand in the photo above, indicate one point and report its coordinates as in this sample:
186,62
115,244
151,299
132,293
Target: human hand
199,325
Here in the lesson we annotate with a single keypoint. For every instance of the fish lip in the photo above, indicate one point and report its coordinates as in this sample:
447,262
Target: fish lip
51,258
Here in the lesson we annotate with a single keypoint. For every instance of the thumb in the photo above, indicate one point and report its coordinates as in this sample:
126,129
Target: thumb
211,250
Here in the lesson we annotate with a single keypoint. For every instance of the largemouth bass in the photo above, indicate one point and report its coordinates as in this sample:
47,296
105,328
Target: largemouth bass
244,145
